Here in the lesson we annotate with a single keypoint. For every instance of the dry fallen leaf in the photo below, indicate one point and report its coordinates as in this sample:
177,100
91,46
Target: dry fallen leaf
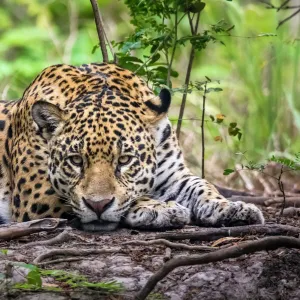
225,240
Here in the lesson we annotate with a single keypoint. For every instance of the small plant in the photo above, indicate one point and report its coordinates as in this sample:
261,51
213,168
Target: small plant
4,251
286,165
35,275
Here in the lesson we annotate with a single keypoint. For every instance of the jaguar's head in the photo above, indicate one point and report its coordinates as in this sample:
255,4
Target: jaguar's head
102,150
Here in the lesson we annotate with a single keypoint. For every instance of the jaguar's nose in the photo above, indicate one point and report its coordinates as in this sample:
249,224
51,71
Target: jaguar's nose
98,206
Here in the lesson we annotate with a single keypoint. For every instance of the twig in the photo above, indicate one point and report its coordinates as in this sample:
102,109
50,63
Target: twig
202,130
289,202
281,187
188,75
170,244
288,18
211,234
227,192
74,252
100,29
173,50
111,48
269,5
291,212
284,3
258,200
16,230
156,50
60,238
57,261
269,243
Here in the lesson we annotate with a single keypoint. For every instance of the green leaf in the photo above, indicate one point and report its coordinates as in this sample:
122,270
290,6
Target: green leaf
154,59
4,251
213,90
228,171
95,48
34,278
233,124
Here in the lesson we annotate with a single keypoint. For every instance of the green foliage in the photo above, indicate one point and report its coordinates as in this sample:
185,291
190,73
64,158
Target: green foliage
286,164
228,171
35,275
4,251
156,37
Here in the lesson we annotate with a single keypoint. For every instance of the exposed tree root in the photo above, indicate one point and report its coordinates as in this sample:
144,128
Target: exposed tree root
60,238
74,252
227,193
59,260
211,234
16,230
289,202
268,201
258,200
291,212
269,243
171,245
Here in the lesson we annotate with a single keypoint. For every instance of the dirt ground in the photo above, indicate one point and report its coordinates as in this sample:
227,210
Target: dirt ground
263,275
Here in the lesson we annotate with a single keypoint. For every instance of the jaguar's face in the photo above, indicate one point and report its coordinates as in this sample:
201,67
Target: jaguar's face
102,153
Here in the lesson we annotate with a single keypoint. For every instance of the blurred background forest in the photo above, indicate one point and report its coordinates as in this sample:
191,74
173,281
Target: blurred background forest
258,67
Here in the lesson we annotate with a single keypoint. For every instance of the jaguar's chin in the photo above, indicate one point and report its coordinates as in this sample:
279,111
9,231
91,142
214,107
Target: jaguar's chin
99,225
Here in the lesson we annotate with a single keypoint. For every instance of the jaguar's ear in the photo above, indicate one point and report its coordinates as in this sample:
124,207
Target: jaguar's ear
159,105
48,117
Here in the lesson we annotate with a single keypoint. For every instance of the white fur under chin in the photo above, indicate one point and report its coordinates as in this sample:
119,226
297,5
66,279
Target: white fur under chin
5,211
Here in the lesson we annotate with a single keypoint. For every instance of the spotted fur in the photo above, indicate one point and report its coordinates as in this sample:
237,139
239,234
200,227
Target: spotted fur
95,142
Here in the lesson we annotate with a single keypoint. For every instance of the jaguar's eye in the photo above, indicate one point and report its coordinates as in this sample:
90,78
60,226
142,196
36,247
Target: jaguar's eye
125,160
76,160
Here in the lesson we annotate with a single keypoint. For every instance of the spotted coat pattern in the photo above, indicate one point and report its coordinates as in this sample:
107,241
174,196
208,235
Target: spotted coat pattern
95,142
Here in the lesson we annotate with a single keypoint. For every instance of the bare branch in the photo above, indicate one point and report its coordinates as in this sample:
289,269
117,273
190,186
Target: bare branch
170,244
288,18
281,187
16,230
100,29
74,252
269,243
211,234
62,260
203,131
194,31
60,238
284,3
173,50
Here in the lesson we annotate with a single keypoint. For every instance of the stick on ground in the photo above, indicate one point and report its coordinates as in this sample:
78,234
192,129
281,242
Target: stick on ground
269,243
16,230
211,234
74,252
171,245
60,238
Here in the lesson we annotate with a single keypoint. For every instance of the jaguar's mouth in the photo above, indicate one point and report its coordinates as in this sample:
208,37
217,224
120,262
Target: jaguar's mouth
99,225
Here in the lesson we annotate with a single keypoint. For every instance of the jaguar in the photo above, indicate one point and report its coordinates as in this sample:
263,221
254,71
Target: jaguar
94,142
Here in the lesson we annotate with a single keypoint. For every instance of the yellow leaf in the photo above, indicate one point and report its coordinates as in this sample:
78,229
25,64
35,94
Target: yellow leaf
220,116
225,240
218,138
